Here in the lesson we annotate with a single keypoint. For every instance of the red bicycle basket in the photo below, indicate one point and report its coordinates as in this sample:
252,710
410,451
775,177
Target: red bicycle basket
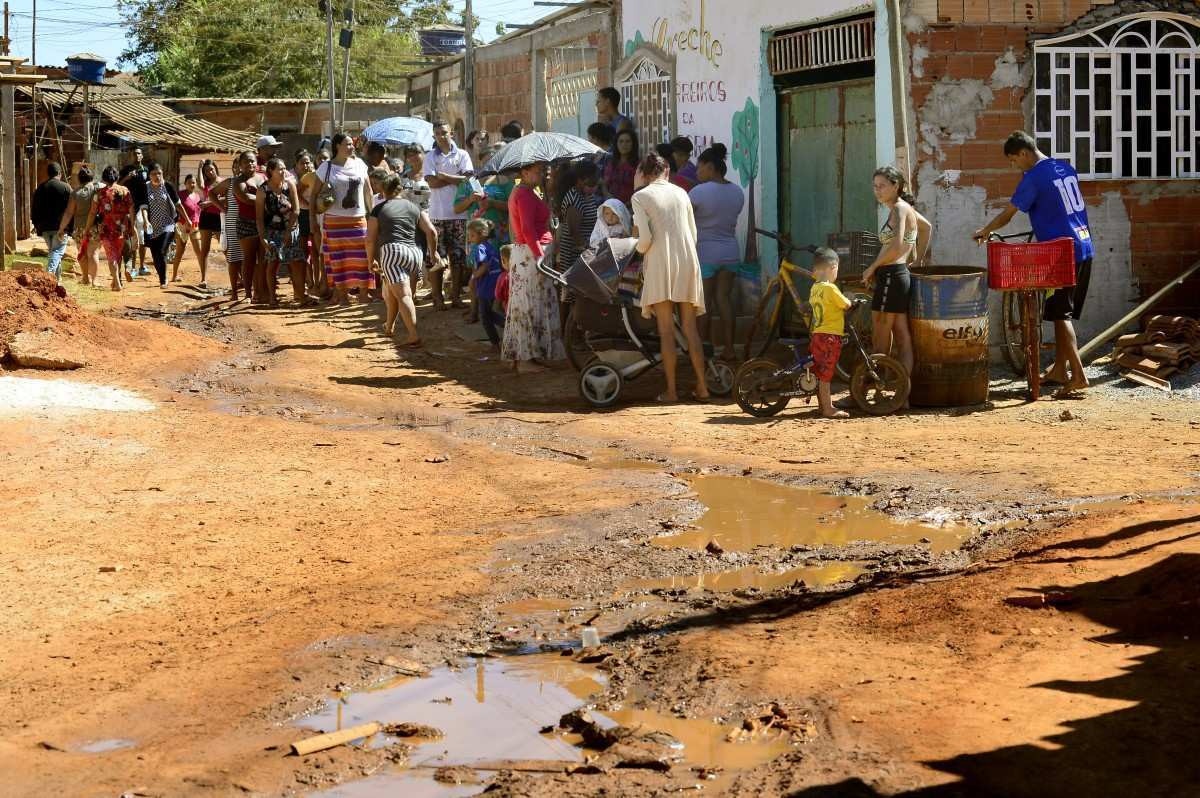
1036,265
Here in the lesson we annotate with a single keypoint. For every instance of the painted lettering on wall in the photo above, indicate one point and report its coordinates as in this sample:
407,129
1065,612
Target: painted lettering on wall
696,38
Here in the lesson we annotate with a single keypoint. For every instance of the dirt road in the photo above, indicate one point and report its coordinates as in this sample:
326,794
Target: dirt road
184,582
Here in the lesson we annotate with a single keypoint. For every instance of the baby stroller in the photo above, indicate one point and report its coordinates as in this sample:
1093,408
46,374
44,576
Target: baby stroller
624,346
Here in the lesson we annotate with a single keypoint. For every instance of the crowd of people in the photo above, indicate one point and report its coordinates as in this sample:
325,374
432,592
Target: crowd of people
350,227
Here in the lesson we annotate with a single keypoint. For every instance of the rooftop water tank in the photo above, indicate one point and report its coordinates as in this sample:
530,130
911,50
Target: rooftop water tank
86,67
445,40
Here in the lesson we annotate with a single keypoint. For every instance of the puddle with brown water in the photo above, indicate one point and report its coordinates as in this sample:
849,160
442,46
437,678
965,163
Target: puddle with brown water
495,710
725,581
743,513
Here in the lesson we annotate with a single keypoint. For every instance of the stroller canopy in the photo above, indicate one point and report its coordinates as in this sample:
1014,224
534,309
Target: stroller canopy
596,272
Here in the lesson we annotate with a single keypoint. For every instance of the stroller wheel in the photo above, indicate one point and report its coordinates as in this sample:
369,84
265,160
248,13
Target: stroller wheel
600,383
719,377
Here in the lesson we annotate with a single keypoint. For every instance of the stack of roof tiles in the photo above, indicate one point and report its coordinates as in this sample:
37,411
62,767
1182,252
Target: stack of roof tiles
1167,345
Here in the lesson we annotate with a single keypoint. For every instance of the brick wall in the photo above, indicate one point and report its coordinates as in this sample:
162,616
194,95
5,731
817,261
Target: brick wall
502,92
962,40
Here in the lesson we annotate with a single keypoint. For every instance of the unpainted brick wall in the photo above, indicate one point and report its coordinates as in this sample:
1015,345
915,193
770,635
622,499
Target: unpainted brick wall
502,92
963,40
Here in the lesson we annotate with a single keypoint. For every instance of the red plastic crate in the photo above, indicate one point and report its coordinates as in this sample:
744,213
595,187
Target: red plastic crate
1036,265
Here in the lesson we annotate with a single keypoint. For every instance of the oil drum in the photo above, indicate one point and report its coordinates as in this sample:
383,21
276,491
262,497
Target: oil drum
948,318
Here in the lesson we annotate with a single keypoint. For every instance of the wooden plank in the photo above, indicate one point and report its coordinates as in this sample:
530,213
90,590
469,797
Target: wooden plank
1146,379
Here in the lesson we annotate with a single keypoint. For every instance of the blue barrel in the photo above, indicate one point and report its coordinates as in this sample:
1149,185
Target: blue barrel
86,68
442,41
948,318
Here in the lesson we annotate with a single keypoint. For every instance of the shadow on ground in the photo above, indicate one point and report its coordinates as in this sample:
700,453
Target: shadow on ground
1146,749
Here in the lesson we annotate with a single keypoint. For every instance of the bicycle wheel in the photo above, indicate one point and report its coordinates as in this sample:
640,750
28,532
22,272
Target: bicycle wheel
860,320
880,387
758,388
1012,330
575,342
765,323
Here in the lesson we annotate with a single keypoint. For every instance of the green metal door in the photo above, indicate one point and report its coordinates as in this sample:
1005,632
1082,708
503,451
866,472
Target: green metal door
828,147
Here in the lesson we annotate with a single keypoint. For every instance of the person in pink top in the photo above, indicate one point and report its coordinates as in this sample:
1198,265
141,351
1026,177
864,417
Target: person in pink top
190,201
531,331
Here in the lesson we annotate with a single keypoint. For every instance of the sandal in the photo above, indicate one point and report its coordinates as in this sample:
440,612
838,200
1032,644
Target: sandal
704,400
417,344
663,400
1069,392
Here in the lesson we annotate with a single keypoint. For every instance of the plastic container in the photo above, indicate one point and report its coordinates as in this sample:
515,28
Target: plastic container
86,68
948,318
1031,266
590,637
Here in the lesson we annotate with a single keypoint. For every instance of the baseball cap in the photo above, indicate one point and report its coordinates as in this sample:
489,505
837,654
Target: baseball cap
268,141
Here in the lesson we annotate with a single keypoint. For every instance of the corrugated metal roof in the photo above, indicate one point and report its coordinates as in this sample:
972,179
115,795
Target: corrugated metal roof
142,118
397,100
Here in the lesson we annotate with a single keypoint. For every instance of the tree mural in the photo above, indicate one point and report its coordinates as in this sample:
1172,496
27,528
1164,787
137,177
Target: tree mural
745,161
634,43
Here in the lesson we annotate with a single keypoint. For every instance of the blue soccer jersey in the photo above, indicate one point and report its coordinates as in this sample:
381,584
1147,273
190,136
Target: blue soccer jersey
1049,193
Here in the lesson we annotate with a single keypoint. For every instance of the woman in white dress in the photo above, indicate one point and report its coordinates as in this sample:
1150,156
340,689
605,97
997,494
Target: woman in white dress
666,233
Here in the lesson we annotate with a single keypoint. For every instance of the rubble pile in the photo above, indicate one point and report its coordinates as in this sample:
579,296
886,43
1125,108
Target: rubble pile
1167,345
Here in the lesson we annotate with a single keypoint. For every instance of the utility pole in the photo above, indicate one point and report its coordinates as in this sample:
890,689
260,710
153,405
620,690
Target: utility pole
468,65
345,40
329,63
5,28
33,36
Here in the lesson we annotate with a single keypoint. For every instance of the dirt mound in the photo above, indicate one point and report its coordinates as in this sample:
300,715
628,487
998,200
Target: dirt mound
34,302
38,312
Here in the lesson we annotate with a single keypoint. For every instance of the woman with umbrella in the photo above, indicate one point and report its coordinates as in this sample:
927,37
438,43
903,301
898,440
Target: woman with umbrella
531,331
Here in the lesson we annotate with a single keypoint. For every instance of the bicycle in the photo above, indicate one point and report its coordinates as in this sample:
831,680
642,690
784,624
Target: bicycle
1024,272
879,384
780,315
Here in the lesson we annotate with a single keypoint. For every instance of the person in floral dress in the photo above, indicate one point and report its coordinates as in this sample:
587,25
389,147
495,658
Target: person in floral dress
531,331
111,221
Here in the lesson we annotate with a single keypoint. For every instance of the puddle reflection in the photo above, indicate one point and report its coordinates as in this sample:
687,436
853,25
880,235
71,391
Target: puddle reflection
743,513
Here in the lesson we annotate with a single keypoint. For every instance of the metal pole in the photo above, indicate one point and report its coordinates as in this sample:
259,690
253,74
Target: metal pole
468,65
87,125
33,36
346,65
329,64
6,28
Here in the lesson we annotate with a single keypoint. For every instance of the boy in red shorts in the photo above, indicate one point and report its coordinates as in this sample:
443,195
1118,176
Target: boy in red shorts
829,307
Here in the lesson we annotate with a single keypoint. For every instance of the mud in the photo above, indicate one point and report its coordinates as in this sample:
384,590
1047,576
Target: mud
361,503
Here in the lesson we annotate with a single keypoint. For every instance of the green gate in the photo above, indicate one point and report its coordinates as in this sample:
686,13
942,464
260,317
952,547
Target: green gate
827,143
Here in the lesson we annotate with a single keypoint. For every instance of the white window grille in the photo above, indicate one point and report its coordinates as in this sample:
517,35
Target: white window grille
826,46
564,94
647,83
1122,100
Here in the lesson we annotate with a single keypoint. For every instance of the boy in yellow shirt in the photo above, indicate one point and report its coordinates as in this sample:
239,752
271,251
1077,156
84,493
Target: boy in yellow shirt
829,307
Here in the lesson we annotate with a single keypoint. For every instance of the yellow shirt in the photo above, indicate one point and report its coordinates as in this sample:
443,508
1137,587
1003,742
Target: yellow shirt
828,309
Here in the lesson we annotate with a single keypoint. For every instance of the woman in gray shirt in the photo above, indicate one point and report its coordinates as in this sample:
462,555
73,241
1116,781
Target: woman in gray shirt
392,229
717,204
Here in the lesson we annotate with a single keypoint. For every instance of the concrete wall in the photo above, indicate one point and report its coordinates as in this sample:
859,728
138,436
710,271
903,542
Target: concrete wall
971,73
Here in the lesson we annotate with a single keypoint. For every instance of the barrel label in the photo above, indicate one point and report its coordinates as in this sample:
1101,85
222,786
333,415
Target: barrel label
966,332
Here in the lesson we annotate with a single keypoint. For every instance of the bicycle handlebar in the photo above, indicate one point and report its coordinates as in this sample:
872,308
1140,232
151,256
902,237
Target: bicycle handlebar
787,242
1027,235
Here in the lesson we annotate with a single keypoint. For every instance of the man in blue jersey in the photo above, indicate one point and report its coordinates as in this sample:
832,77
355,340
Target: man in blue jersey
1049,192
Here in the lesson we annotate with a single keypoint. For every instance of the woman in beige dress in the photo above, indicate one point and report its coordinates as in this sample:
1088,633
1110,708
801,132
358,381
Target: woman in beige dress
666,233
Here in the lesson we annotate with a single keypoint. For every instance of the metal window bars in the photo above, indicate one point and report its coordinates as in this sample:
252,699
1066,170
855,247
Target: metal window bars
1122,100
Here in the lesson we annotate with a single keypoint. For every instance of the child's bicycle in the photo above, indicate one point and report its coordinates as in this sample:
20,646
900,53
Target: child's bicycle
879,384
780,313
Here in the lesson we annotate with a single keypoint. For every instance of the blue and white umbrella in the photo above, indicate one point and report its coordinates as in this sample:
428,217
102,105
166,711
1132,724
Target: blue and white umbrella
399,130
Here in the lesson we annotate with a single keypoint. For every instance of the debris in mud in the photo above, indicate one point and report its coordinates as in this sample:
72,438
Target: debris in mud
111,569
413,730
456,774
46,745
654,751
438,458
1037,601
321,742
405,667
714,548
1066,415
594,735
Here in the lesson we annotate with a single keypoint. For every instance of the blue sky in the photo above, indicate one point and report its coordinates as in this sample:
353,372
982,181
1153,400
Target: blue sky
66,27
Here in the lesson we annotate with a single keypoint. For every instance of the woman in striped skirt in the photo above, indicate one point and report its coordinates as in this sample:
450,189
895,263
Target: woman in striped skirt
344,224
392,242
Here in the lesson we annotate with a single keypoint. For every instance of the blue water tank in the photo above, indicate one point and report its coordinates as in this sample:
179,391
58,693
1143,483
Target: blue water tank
442,41
86,68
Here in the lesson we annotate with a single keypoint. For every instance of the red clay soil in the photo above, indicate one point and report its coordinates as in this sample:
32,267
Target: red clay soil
33,302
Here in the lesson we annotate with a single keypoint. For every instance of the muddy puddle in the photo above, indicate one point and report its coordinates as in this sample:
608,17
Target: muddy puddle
493,709
743,578
743,513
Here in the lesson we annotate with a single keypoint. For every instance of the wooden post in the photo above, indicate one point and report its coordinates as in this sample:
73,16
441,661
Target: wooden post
8,164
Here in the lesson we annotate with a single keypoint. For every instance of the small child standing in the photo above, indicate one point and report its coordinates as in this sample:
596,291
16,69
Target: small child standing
501,304
487,272
829,307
